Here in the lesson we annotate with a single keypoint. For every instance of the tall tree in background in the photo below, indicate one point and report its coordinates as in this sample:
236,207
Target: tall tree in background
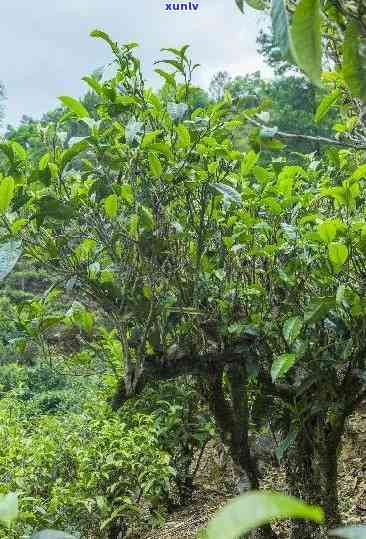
272,54
290,101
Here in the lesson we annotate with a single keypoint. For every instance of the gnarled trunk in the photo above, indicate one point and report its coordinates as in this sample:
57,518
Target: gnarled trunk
311,473
232,419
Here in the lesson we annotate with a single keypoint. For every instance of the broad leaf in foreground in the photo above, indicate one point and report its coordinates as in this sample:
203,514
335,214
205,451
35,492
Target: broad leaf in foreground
354,60
307,38
281,28
254,509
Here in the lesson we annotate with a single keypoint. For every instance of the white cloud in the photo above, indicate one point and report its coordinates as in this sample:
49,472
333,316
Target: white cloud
49,48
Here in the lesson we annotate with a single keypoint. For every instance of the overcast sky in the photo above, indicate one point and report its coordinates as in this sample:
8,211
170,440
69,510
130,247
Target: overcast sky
46,49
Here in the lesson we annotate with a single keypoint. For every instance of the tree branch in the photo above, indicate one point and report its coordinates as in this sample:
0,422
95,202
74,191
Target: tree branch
309,138
163,368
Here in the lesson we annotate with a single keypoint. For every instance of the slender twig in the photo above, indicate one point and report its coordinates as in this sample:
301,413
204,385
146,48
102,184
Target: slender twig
309,138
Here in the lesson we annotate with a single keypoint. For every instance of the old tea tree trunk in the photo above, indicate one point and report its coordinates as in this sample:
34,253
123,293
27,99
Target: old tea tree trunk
311,463
229,405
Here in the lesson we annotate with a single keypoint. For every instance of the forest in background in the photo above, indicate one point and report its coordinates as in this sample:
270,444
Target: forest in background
183,275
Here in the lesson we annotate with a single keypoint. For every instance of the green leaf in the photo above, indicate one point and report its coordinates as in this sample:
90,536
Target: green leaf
260,5
9,255
318,309
51,534
327,231
43,162
285,444
351,532
307,38
111,205
8,508
177,52
149,138
94,84
6,193
281,28
126,100
8,151
354,59
49,206
75,106
281,365
72,152
103,35
85,248
338,254
359,173
146,218
229,192
184,139
168,77
292,328
160,147
155,165
326,104
248,162
254,509
127,193
19,150
178,64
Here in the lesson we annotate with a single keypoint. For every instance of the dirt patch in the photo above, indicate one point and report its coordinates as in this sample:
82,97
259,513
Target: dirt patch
215,485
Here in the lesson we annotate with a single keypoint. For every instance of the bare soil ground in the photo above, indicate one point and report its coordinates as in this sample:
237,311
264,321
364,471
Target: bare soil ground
215,486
